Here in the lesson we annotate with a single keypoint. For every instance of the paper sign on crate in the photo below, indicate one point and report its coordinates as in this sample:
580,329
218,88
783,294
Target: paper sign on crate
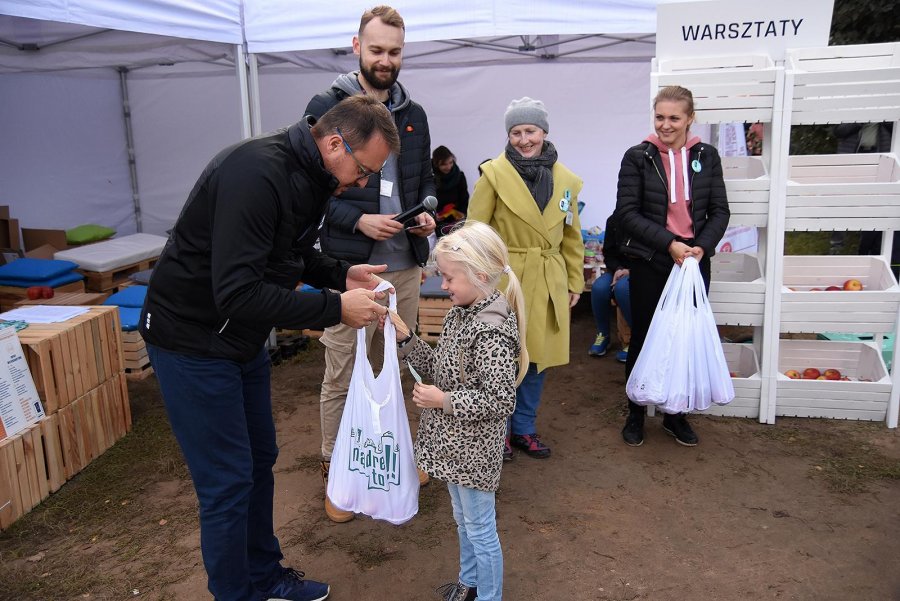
20,405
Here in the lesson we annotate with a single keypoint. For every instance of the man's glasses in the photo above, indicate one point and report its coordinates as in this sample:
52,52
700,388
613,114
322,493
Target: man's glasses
364,172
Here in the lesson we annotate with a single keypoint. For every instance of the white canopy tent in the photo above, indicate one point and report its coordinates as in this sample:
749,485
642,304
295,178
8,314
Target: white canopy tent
64,138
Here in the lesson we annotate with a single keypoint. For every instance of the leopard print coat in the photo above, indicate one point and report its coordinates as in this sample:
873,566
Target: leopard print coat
476,362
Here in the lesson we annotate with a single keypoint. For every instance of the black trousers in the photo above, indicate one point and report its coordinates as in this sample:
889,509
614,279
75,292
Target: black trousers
647,282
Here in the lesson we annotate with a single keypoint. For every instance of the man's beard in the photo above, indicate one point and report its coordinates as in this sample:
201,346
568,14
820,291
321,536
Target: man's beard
375,78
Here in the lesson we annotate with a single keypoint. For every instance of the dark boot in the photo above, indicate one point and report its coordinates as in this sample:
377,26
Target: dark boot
633,432
678,426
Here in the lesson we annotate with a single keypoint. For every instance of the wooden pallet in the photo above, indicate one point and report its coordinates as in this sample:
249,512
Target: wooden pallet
135,358
70,358
68,299
431,317
108,281
10,295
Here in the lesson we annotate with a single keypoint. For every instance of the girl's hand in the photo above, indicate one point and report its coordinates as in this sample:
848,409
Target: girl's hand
618,275
402,329
427,396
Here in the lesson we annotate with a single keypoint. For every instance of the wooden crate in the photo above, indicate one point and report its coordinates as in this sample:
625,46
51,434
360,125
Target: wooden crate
431,317
843,191
737,290
740,88
134,355
108,281
92,423
747,383
10,295
833,398
70,358
25,476
872,309
844,84
747,184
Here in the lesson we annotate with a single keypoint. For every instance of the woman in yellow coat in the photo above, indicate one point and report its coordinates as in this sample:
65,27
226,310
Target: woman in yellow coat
531,199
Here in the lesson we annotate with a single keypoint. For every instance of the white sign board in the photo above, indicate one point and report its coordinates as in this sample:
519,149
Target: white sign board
20,405
738,27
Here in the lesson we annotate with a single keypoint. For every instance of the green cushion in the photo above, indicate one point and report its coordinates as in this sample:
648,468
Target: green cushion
89,232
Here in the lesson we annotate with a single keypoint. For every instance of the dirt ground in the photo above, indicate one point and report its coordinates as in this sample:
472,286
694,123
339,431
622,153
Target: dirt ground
804,509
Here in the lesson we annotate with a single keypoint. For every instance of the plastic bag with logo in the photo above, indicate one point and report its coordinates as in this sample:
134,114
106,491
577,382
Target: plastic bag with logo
373,470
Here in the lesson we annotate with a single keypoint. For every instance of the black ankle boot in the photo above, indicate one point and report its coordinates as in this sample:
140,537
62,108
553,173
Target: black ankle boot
633,432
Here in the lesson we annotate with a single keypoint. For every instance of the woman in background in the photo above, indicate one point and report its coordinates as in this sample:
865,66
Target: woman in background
531,199
452,190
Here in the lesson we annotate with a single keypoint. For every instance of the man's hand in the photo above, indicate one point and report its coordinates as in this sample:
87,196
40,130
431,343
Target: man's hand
573,299
363,276
378,227
359,309
424,225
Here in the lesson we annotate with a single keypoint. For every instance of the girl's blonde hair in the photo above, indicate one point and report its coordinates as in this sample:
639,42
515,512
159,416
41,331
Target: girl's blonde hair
676,94
480,251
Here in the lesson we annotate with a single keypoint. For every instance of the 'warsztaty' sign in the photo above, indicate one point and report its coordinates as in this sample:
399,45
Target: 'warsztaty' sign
721,27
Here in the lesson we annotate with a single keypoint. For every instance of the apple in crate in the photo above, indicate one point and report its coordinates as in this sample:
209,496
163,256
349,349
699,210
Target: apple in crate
733,374
853,285
793,374
833,288
811,373
832,374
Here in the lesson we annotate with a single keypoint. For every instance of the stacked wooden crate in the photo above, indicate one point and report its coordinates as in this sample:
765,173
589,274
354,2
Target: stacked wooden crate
433,306
77,367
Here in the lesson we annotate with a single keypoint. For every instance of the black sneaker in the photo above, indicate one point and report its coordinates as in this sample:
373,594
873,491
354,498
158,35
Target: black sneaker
678,426
293,587
633,432
457,591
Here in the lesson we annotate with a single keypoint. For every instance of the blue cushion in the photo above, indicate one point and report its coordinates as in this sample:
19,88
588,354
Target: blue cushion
66,278
130,318
130,296
29,269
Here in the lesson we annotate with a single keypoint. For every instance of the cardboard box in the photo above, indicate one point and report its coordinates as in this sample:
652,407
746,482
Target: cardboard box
35,238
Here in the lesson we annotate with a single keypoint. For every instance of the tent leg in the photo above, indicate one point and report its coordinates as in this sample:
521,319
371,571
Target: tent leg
129,141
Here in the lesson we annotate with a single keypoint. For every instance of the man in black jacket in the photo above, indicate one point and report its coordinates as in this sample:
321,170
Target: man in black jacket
227,276
359,224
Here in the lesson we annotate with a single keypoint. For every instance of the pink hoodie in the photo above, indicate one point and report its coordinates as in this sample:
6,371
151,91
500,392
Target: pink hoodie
678,219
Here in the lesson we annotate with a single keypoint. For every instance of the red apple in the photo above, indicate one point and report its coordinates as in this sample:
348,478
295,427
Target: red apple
46,292
793,374
853,285
832,374
833,288
821,378
815,290
733,374
33,292
811,373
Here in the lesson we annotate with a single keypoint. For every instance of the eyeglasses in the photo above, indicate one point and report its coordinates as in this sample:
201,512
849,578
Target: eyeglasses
363,172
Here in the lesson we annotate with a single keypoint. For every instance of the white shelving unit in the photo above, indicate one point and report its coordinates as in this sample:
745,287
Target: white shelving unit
777,193
831,85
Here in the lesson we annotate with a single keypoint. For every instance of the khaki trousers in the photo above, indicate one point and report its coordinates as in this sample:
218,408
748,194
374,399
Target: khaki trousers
340,351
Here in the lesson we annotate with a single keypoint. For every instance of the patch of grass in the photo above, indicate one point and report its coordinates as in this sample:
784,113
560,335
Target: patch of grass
312,461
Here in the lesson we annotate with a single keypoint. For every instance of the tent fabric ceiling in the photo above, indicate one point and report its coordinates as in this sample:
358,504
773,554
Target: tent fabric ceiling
211,20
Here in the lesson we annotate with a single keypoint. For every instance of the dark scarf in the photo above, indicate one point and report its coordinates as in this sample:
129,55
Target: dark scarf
449,181
536,173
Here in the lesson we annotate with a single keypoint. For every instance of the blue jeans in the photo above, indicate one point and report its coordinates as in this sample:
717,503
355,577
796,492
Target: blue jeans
221,414
602,293
480,555
528,397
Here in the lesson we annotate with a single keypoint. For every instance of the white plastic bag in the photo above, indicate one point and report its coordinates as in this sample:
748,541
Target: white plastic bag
681,366
373,470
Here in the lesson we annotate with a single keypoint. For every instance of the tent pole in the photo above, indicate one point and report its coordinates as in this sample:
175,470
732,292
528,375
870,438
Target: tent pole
129,141
255,116
241,65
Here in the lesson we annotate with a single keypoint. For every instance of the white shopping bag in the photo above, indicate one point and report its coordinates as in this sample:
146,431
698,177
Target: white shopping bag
681,366
373,470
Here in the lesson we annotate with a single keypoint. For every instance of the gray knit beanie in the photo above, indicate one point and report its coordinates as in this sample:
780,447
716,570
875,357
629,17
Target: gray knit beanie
525,110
